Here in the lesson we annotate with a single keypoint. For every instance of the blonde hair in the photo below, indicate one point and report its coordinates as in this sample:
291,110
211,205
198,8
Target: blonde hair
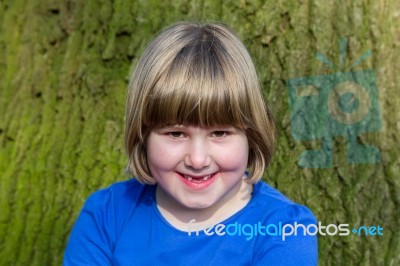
194,74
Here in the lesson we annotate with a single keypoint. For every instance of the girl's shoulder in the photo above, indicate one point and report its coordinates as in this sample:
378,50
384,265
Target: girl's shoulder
264,193
273,205
122,188
120,196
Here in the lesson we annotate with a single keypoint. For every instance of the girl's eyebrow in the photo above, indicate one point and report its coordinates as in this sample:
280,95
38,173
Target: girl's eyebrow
222,128
171,127
181,127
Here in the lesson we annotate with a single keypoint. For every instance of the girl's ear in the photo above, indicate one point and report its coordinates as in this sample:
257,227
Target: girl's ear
246,175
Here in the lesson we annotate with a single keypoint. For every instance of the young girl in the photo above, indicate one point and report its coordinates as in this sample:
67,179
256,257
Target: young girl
198,137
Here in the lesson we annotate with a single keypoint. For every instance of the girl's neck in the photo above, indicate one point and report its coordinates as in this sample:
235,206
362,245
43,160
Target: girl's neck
180,216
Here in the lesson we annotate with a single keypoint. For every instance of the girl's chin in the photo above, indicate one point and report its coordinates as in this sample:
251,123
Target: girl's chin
199,207
196,204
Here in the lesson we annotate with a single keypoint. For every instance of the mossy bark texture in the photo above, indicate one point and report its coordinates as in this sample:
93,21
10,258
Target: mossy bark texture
64,69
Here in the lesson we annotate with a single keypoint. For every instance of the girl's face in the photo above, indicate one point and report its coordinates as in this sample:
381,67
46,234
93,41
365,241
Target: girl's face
195,167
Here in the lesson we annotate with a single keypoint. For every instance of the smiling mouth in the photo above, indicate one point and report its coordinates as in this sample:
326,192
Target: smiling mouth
198,179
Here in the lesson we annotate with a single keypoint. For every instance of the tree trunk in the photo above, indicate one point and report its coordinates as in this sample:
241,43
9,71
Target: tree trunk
64,69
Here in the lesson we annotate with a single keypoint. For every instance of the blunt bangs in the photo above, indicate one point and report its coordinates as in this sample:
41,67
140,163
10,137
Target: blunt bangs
201,87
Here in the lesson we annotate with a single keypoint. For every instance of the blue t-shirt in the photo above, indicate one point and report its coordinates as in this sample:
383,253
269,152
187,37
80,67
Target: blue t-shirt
121,225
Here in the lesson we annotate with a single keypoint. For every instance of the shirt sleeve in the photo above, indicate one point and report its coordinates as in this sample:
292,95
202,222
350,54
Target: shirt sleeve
287,245
90,241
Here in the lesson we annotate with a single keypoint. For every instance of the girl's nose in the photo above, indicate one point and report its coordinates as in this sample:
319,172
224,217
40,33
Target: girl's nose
197,156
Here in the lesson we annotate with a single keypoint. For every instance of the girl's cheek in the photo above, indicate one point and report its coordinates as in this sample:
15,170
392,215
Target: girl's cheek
170,152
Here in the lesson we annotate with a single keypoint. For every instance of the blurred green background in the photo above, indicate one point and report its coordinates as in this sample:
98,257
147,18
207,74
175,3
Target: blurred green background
64,69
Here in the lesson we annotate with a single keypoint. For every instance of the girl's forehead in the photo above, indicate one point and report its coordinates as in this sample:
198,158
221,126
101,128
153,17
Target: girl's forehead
188,108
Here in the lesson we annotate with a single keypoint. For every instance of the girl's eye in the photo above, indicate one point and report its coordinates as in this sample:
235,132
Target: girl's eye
176,134
219,134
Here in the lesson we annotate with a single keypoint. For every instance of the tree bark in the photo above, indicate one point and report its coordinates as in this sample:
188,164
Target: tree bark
64,69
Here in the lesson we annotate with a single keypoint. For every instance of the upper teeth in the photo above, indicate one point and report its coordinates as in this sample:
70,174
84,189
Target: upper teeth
206,177
190,178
